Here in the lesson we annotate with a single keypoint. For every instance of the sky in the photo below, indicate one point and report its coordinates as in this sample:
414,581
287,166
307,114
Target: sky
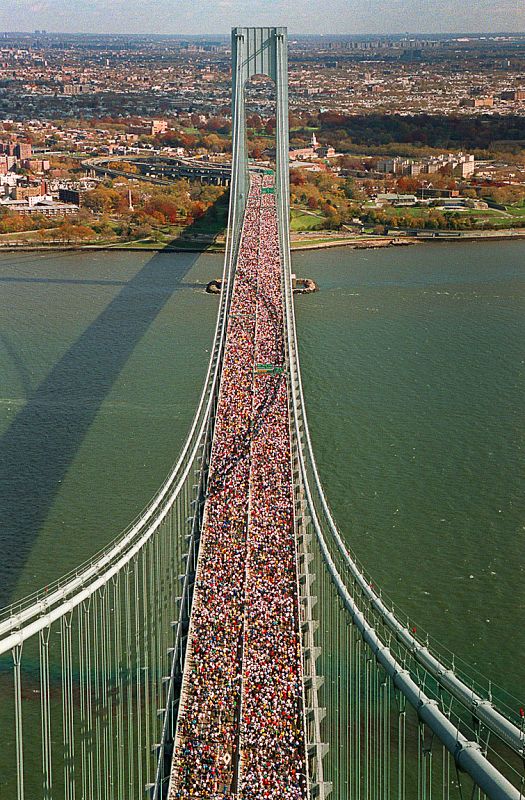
301,16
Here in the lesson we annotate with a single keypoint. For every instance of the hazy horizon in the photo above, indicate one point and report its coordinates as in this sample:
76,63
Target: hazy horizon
199,18
226,34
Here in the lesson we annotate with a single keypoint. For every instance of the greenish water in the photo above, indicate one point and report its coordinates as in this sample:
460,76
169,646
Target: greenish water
413,368
102,358
413,364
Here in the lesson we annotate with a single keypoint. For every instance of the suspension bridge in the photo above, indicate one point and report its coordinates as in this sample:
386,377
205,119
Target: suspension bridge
228,643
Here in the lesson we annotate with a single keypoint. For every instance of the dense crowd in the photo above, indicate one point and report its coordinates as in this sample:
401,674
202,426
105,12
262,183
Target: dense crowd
240,729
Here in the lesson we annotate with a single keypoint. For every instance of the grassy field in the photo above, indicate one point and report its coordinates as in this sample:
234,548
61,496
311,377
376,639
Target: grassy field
410,211
302,221
518,212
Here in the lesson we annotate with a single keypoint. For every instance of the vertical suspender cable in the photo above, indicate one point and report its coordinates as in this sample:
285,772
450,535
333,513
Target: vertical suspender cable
420,765
387,739
153,609
151,681
428,771
366,714
64,709
350,704
401,733
129,645
96,698
140,675
119,684
445,760
45,715
165,603
82,691
67,706
378,734
346,719
158,594
338,668
103,596
145,622
19,743
110,612
90,684
357,705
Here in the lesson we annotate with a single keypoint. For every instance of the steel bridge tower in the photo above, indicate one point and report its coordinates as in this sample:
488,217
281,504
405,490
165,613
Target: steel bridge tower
260,51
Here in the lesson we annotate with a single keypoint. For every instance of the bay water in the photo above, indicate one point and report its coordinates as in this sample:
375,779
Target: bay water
412,362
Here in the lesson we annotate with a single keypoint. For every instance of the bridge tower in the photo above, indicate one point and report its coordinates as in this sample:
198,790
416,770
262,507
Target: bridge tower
260,51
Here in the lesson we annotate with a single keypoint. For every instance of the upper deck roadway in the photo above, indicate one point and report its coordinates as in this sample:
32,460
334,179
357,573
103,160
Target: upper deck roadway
241,723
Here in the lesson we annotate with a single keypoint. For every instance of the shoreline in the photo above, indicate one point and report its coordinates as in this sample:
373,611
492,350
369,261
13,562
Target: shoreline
371,243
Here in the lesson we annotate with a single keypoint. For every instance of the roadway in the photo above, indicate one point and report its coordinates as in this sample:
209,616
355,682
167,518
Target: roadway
241,725
162,170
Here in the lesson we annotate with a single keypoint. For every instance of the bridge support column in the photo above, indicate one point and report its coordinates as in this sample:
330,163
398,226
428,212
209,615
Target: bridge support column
261,51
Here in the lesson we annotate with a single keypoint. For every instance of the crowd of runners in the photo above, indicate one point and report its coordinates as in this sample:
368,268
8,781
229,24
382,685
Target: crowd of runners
240,730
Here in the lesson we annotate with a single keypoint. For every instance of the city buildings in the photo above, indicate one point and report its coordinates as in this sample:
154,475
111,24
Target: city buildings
41,204
477,102
396,114
461,165
149,128
66,76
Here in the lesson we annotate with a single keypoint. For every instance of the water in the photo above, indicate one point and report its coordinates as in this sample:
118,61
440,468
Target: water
102,357
413,367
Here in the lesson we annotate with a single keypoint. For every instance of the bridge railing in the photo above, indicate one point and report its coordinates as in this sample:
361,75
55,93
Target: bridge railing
82,669
88,665
159,788
377,667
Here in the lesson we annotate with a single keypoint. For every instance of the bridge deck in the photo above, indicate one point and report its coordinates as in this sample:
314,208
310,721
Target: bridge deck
241,725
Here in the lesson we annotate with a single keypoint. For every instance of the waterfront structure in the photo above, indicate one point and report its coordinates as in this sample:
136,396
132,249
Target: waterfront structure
101,670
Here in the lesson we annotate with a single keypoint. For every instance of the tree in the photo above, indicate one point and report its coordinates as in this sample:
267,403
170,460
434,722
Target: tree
104,228
333,219
102,200
254,121
352,191
124,166
46,235
143,231
212,143
218,125
73,233
408,184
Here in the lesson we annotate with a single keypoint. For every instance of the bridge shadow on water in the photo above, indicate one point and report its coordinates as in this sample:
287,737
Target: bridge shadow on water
38,448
